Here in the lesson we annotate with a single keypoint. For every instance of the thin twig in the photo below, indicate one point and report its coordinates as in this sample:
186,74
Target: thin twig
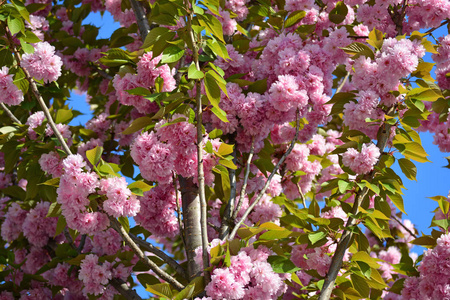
36,93
161,254
124,289
435,28
82,242
216,228
403,225
338,90
10,114
244,185
261,193
130,242
302,197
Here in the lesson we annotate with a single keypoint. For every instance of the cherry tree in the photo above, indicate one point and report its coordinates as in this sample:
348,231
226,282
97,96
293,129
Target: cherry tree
238,149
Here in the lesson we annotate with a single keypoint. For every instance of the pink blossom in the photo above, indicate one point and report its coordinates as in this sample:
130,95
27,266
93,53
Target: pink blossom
10,93
43,64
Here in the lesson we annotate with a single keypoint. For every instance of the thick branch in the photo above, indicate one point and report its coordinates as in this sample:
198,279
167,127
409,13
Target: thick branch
130,242
169,260
124,289
38,96
336,262
261,193
141,18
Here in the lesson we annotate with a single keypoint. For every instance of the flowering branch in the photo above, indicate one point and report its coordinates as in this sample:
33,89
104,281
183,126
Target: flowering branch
336,262
130,242
36,93
269,179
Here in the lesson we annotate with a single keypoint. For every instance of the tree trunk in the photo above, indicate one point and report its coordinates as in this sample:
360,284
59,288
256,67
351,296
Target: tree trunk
192,226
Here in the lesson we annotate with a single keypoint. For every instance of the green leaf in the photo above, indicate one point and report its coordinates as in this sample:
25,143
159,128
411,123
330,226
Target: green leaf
315,237
171,54
397,199
137,124
161,289
109,168
54,210
424,241
424,94
215,133
294,18
63,116
147,279
358,49
360,285
282,264
408,168
60,225
227,163
125,223
259,86
193,73
375,39
338,14
212,25
140,185
15,25
51,182
186,293
366,258
94,155
213,93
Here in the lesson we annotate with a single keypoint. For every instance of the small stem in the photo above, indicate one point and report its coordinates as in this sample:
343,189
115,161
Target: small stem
180,222
82,242
338,90
403,225
244,185
126,237
10,114
301,195
261,193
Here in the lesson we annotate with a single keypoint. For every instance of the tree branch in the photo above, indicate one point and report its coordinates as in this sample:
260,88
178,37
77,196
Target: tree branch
336,262
36,93
141,18
338,90
124,289
10,114
169,260
126,237
261,193
244,185
227,215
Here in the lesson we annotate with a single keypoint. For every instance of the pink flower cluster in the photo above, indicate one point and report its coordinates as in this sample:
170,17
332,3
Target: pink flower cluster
51,163
43,64
442,59
126,17
171,148
250,276
120,201
12,224
74,188
10,93
93,275
434,279
147,72
157,213
37,228
361,162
